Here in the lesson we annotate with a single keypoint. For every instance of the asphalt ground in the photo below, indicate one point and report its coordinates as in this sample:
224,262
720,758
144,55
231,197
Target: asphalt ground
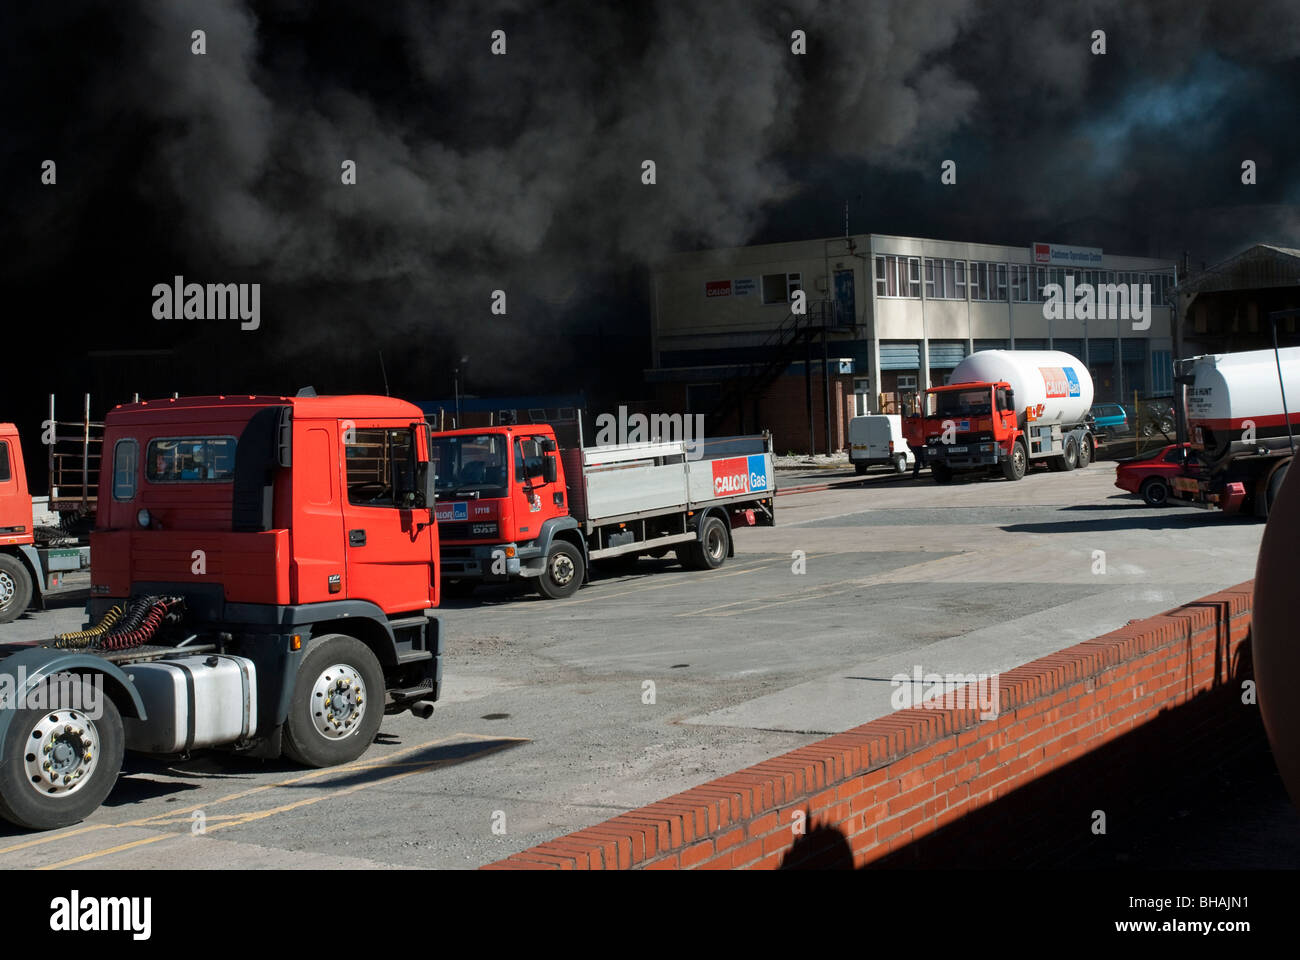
557,715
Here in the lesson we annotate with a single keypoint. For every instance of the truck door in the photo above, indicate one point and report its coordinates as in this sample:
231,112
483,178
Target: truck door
389,539
15,504
532,501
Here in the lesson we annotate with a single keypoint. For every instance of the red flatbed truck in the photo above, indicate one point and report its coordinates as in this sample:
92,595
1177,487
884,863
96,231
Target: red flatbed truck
512,504
265,576
28,569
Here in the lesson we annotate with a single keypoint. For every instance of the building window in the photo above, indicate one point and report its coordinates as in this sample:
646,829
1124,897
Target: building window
945,279
861,397
906,382
780,287
5,473
898,276
1020,291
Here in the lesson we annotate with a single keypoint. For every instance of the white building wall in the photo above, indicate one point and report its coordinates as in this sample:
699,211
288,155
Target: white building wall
684,318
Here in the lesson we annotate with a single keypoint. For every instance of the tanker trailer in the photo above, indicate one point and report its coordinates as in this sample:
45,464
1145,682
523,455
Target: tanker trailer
1235,417
1004,410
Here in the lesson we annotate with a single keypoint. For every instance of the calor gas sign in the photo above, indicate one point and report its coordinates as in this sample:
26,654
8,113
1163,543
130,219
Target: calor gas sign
736,475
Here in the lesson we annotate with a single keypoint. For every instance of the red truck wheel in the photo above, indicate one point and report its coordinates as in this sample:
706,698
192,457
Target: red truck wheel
59,765
15,588
563,573
1014,466
337,705
710,551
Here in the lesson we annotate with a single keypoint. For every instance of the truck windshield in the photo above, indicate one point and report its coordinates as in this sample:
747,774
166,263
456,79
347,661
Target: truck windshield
962,403
470,466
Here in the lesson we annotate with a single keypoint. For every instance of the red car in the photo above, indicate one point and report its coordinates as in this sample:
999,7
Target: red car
1152,475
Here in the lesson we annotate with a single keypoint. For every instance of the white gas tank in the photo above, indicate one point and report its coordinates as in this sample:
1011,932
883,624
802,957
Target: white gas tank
1231,388
1056,382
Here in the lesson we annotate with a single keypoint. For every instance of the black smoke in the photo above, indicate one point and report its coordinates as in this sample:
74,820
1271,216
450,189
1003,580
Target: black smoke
523,172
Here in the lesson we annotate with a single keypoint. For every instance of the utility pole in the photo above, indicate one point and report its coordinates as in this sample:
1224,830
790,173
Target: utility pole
1275,316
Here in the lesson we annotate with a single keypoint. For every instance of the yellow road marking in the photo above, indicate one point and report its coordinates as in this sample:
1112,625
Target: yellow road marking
236,820
314,774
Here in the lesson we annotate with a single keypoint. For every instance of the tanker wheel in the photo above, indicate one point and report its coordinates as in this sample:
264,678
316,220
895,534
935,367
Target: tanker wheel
15,588
563,573
60,764
1085,453
1070,458
1014,466
337,705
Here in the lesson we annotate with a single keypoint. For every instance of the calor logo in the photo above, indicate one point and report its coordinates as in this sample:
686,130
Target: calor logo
452,511
739,475
1060,381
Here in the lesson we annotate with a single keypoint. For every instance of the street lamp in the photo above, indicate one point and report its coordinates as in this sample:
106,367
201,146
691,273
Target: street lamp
456,386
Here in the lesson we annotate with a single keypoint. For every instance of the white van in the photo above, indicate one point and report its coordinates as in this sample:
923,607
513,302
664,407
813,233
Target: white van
878,440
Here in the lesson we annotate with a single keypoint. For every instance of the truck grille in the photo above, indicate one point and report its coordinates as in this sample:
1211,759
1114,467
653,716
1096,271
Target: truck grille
473,530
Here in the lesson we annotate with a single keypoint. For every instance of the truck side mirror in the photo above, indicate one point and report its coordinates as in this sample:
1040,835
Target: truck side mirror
430,478
550,473
546,444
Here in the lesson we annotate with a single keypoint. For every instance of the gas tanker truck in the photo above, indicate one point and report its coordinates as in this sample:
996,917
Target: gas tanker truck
1235,418
1004,410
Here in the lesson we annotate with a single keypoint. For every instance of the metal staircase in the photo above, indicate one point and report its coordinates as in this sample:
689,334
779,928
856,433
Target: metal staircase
782,347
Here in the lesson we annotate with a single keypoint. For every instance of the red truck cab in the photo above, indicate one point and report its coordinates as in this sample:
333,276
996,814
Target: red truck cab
15,500
964,426
19,565
278,520
501,497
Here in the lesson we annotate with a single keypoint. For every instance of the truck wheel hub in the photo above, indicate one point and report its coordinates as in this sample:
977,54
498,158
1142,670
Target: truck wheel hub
61,753
561,569
6,589
338,699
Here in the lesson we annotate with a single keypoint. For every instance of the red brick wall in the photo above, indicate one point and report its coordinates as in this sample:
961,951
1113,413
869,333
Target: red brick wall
781,410
1162,690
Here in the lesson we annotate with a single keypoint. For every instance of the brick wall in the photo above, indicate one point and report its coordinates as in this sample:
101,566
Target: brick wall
781,409
1091,727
